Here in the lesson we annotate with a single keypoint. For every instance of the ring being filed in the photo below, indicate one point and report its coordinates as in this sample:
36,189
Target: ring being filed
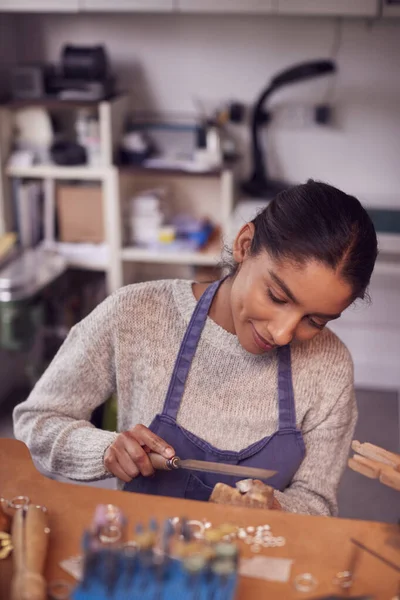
305,582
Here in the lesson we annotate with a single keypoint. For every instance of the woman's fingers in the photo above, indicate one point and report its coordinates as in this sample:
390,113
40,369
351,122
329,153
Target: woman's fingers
138,456
112,465
127,464
128,455
147,438
120,473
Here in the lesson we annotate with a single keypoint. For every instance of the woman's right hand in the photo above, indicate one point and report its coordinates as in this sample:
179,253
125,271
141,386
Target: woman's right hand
128,457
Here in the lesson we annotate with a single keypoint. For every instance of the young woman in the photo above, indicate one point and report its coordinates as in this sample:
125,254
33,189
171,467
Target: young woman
242,371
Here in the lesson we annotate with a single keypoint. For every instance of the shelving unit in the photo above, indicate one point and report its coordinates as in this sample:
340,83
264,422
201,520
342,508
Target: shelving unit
209,194
207,258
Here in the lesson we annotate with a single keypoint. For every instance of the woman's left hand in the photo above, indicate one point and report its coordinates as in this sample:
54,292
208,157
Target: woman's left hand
276,505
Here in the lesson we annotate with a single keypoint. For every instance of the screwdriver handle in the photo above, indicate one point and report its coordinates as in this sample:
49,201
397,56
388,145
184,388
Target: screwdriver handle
160,463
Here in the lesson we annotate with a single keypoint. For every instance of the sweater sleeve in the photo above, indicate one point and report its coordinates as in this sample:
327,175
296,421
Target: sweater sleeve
54,422
314,487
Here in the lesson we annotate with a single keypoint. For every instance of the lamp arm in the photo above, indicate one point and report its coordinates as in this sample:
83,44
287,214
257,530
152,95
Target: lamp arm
258,156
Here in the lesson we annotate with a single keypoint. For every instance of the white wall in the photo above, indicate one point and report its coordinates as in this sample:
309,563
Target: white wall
168,60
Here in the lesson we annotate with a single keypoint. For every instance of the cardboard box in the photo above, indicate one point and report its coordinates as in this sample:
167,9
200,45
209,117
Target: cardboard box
80,213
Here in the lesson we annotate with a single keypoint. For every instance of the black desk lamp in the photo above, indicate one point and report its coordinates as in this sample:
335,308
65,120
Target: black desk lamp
259,184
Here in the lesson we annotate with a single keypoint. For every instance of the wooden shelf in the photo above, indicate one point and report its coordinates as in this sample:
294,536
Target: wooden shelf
207,258
84,172
135,170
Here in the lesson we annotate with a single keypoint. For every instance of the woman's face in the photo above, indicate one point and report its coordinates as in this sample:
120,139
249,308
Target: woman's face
274,303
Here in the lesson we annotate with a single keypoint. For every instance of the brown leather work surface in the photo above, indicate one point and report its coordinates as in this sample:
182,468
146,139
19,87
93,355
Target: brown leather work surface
318,545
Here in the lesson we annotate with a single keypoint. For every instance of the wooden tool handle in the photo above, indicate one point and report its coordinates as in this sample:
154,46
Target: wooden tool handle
28,586
159,462
361,467
30,542
375,470
376,453
36,539
18,539
391,479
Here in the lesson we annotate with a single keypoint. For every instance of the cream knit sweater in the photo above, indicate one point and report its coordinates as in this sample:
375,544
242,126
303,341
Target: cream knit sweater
129,345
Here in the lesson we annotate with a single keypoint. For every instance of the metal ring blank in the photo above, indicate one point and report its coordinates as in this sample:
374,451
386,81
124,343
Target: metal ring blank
344,579
305,582
200,528
115,535
19,502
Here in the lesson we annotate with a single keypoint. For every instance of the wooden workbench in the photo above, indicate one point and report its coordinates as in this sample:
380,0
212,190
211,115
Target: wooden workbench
318,545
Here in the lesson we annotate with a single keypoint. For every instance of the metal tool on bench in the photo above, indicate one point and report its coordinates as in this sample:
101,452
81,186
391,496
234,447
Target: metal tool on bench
372,552
171,464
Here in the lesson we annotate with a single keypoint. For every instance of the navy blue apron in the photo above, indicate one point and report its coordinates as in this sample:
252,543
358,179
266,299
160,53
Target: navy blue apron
283,451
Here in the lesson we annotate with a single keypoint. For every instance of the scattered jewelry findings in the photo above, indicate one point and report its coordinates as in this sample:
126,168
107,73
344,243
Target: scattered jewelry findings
257,537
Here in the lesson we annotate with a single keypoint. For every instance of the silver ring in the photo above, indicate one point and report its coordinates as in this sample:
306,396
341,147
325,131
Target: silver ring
59,589
200,528
305,582
113,535
344,579
250,529
19,502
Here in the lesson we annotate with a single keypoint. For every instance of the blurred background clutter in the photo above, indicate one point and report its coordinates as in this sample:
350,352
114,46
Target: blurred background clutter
137,136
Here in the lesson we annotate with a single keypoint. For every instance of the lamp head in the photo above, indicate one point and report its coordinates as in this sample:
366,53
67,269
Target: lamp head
308,70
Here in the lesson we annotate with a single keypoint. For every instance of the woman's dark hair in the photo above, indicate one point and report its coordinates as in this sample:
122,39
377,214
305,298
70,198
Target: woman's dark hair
317,221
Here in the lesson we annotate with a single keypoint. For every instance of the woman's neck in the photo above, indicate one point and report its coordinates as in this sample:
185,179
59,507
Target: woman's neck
220,311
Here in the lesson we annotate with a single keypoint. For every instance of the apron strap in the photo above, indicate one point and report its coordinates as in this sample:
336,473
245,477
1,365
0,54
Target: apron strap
187,351
287,409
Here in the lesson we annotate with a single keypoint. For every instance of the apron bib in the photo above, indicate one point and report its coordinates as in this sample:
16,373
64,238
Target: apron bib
283,451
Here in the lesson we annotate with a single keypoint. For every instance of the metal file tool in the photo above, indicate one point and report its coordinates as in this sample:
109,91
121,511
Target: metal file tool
161,463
